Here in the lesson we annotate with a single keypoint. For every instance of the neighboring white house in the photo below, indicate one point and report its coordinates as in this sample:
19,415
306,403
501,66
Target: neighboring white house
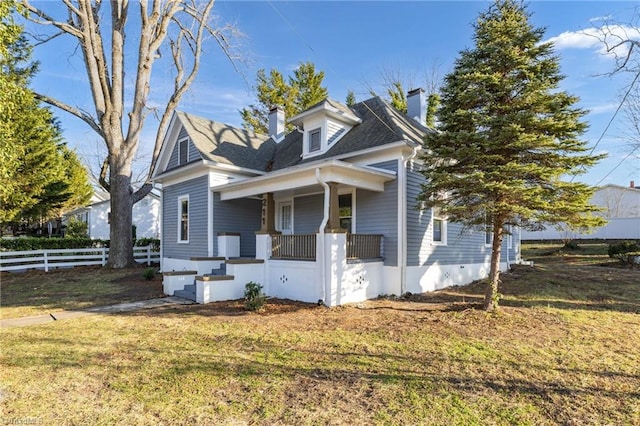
621,209
97,216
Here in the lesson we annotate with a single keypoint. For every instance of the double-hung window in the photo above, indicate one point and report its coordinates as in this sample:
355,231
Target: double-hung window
488,234
438,226
183,219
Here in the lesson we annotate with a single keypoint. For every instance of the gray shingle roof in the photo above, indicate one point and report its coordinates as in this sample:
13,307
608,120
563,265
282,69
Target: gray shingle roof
381,124
226,144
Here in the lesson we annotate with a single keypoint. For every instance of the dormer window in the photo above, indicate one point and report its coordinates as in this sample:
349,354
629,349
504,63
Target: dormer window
328,122
315,141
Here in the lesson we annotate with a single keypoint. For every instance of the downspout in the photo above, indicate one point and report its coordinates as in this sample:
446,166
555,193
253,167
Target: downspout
403,221
320,256
161,218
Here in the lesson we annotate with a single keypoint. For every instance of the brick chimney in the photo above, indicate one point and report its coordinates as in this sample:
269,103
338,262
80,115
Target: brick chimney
632,184
417,105
276,124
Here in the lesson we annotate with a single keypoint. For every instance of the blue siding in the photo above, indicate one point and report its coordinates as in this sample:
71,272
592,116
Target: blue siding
308,212
377,213
197,190
241,216
194,154
464,245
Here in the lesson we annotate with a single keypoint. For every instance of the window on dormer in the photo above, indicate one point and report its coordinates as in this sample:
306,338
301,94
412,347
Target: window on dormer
314,140
183,151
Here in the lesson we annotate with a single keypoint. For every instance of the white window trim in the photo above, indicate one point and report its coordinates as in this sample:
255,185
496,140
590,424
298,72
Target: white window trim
180,141
322,146
488,231
180,200
443,242
353,208
279,214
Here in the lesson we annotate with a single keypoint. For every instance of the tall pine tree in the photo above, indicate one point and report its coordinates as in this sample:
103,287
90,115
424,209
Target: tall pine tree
38,175
507,135
302,90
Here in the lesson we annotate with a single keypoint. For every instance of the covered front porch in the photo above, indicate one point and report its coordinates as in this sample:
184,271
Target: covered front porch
333,184
315,254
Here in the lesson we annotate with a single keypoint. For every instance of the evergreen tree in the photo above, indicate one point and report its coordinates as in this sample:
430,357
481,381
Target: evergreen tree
433,102
304,89
351,98
271,91
506,137
307,88
38,175
397,96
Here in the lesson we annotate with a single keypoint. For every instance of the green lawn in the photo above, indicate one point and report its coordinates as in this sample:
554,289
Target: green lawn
38,292
562,350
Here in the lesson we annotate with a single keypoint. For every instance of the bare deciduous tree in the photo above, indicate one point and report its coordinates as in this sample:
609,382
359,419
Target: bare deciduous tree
183,25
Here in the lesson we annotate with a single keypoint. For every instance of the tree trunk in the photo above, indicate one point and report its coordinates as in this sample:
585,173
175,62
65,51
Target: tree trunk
491,295
121,235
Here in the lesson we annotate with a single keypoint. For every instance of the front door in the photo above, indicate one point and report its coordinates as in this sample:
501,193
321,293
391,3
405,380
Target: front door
285,217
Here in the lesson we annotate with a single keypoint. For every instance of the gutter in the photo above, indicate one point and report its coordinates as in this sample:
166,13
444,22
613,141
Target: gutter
321,255
403,221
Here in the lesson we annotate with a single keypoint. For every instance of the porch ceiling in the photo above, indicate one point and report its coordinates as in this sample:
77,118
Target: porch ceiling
302,176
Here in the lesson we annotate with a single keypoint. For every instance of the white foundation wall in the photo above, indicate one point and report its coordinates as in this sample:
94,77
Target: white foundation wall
391,281
421,279
202,267
171,283
293,279
356,282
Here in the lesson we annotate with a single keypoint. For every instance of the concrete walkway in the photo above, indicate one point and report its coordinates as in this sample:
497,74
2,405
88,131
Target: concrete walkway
112,309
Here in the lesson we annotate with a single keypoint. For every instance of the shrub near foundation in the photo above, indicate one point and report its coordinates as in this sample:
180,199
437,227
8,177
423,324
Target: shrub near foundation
254,298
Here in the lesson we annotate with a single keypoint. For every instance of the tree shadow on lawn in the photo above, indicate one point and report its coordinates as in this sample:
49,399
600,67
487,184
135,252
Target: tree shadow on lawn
570,287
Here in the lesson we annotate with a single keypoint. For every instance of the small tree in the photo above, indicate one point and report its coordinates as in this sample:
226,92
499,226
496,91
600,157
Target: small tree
506,137
350,100
76,229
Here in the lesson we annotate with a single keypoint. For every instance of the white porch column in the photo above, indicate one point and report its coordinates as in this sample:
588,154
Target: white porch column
229,244
335,262
263,246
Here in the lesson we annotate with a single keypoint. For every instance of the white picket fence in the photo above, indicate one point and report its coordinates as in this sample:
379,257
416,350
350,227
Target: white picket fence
65,258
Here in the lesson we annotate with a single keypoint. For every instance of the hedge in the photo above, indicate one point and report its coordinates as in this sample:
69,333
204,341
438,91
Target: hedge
38,243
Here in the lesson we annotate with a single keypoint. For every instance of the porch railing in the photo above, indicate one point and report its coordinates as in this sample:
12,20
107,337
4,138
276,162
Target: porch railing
298,247
303,247
364,246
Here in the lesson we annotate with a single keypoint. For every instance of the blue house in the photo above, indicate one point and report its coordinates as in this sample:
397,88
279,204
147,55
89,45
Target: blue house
326,212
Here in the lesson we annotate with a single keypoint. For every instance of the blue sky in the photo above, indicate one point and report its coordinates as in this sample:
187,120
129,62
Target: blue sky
355,43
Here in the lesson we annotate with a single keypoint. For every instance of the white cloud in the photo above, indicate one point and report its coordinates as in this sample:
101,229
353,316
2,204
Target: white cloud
603,108
606,40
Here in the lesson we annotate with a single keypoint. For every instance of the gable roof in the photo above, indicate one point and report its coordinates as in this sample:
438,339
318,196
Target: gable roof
222,143
376,123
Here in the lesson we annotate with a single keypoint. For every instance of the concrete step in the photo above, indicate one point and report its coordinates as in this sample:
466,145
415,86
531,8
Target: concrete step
220,271
188,292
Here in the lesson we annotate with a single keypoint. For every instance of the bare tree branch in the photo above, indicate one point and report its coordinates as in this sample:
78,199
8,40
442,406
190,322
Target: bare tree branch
104,174
45,19
84,116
